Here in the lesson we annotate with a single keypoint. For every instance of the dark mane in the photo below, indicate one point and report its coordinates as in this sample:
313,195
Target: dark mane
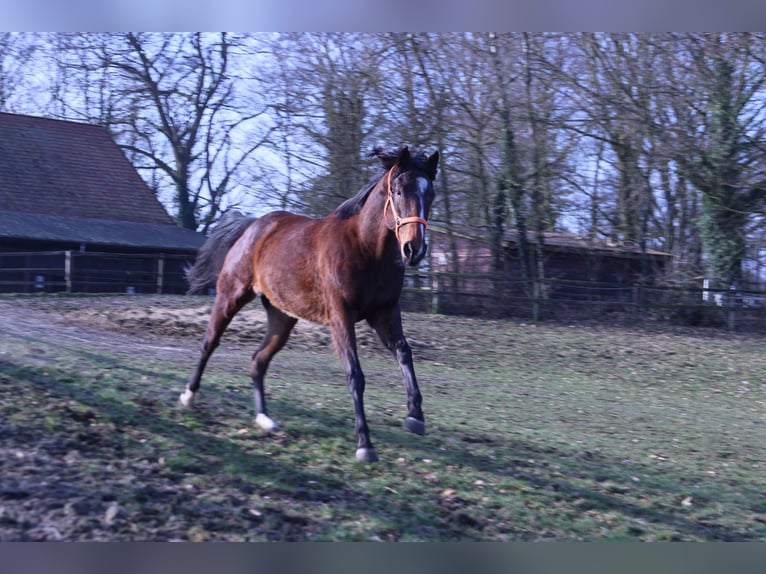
354,204
388,159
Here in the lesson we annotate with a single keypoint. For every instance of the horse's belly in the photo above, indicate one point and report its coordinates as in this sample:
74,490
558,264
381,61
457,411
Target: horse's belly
290,295
301,309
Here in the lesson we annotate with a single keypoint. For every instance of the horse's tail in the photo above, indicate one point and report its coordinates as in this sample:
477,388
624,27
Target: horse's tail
210,257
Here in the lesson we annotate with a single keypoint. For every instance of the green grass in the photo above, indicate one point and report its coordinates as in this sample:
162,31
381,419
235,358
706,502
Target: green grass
535,432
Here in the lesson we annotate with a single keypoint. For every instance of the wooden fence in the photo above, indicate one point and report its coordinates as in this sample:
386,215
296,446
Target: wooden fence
495,296
92,272
482,295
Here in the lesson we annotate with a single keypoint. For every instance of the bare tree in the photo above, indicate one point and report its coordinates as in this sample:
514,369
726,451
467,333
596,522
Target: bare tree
612,92
16,53
327,115
510,178
169,101
430,87
725,159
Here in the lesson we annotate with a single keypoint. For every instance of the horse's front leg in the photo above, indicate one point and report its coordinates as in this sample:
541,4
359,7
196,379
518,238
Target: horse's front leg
344,338
388,326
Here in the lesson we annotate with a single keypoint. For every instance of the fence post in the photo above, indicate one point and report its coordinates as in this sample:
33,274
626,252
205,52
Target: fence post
68,270
535,300
435,293
160,272
731,301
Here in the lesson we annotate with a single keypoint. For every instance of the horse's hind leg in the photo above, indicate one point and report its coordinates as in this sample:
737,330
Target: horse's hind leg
231,297
388,326
278,328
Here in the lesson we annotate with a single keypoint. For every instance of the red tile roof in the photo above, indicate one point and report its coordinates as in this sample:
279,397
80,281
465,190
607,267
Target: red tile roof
70,169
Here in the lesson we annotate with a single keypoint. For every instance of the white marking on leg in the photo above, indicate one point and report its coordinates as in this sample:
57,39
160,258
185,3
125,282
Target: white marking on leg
366,455
187,399
265,422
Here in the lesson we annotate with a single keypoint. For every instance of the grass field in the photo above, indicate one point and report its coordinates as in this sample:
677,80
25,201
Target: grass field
535,431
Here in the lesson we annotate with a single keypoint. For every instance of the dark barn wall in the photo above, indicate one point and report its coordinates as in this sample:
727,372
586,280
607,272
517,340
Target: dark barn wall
33,267
593,266
24,272
612,266
471,286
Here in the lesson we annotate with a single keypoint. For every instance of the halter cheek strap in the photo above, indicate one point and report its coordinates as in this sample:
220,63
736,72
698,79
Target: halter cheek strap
399,221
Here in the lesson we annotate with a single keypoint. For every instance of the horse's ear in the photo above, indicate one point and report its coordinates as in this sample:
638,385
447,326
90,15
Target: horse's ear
404,157
432,162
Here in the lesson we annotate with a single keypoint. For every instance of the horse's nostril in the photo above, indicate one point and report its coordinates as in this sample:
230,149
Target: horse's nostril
407,250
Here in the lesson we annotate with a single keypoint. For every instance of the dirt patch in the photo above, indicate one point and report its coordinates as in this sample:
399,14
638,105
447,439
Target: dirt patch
154,318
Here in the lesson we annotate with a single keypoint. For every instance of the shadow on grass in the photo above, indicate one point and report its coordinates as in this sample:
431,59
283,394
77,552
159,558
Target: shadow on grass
222,459
511,458
246,468
510,461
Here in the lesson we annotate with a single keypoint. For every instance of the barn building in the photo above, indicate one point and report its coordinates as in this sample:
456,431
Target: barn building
76,216
462,278
567,256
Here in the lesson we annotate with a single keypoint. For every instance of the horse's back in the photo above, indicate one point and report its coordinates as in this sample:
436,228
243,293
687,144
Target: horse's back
314,269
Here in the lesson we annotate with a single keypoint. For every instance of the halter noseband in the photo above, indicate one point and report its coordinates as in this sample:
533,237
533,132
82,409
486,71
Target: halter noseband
398,221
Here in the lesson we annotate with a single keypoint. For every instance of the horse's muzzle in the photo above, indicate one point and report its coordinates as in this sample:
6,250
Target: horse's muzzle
412,256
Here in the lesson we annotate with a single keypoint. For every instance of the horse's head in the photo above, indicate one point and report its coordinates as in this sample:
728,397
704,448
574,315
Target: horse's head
409,185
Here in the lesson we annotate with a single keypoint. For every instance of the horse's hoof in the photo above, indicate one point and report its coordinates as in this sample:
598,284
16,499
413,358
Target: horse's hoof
414,425
265,422
187,399
366,455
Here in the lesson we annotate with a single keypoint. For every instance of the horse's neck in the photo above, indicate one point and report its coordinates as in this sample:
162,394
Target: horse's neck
376,238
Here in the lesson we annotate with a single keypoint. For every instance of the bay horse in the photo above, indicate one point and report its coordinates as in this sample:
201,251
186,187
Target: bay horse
335,271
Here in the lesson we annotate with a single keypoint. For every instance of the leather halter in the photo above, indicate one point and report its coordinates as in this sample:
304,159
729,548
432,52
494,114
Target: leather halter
398,221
